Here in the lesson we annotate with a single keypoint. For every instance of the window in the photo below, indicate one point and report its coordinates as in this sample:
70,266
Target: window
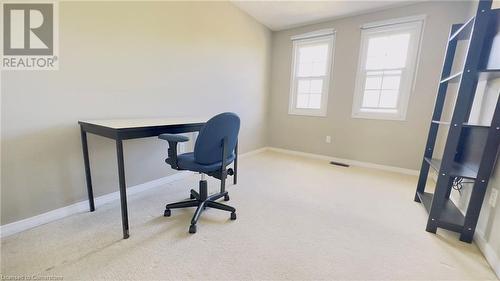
311,67
386,69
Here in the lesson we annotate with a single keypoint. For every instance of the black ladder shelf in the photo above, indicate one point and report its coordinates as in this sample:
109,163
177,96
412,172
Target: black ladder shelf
470,151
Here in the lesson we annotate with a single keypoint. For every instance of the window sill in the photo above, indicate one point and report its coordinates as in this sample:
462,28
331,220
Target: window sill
379,116
309,113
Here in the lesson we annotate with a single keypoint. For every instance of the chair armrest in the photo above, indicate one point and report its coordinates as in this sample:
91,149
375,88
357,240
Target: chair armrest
173,138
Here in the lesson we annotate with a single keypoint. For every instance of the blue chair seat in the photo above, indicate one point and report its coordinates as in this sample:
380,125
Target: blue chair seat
186,161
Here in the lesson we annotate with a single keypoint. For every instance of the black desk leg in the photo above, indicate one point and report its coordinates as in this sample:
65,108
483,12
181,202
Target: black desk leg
123,191
86,162
235,177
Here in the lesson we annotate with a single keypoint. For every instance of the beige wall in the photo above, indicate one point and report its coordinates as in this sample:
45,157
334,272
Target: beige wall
119,60
394,143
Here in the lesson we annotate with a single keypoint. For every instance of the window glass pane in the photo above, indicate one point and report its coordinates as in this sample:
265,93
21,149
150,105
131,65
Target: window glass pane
391,82
388,99
381,90
370,98
302,101
374,63
319,68
304,86
386,52
376,53
309,93
307,86
313,53
305,69
373,82
397,50
315,101
312,60
316,86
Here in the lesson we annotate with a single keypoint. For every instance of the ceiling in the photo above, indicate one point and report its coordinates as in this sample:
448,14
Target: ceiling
279,15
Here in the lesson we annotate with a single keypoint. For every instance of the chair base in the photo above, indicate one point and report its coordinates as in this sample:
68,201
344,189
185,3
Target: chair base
201,201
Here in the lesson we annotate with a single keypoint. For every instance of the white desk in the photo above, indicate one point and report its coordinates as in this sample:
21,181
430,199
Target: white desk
140,123
123,129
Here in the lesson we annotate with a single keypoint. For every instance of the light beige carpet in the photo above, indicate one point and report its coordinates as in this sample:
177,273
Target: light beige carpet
298,218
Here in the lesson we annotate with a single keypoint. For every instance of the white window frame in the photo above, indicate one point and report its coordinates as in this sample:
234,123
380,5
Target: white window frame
306,39
416,26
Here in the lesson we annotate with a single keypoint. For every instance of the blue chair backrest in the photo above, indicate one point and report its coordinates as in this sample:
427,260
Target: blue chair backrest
208,146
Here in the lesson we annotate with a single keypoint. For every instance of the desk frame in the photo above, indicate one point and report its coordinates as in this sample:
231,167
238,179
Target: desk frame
121,134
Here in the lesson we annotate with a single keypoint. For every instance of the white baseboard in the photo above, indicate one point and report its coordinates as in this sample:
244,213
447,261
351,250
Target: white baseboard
488,252
83,206
253,152
347,161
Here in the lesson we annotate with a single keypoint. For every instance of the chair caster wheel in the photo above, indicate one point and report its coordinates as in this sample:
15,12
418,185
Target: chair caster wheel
226,197
192,228
166,213
233,216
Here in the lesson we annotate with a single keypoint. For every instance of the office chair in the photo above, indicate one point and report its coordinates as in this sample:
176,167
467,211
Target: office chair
213,151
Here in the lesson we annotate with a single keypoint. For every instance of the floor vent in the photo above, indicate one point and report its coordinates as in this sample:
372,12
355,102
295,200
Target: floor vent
339,164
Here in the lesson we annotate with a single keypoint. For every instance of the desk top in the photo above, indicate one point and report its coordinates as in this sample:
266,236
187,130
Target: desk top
139,123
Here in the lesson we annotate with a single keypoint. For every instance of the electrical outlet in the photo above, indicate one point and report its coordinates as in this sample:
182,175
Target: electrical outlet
328,139
493,197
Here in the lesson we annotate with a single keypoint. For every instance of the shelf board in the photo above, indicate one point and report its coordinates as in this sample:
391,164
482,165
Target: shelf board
463,32
487,74
452,78
457,169
451,218
484,74
469,125
441,122
426,199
